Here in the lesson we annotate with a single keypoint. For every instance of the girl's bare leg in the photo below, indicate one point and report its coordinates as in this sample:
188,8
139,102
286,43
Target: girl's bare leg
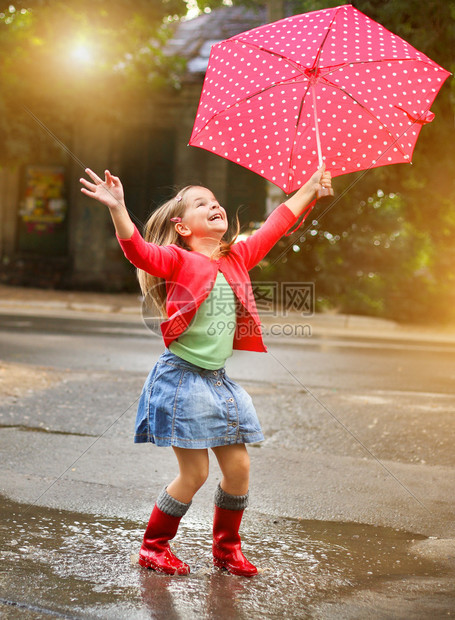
193,472
234,463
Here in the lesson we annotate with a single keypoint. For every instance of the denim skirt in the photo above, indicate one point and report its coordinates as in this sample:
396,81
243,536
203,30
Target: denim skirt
186,406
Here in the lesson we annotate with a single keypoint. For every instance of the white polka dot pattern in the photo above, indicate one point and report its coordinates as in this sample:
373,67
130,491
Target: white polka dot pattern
373,94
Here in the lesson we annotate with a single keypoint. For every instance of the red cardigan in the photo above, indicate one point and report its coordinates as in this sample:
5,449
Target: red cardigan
190,276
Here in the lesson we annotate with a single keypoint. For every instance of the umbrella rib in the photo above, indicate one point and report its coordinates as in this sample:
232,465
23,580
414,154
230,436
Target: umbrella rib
293,63
295,135
240,101
329,71
329,27
300,67
364,107
259,92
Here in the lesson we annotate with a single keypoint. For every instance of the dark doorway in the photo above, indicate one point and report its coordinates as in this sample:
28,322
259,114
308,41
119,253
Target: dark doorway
147,169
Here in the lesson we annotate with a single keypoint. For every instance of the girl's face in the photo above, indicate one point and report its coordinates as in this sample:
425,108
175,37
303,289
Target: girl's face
204,216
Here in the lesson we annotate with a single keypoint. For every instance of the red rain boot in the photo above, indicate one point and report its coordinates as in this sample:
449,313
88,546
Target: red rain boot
155,552
227,551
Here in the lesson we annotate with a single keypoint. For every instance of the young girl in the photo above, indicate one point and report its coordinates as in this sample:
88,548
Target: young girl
188,402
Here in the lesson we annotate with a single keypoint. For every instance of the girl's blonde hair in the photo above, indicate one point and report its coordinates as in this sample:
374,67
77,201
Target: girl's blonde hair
159,229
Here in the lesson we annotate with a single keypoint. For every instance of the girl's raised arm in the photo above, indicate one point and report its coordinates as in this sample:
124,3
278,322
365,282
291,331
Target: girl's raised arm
157,260
110,193
254,248
303,197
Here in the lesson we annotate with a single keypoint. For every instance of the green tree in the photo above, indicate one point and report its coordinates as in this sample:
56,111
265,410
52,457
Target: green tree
62,59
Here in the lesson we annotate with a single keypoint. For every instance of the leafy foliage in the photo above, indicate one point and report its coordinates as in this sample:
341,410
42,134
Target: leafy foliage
60,57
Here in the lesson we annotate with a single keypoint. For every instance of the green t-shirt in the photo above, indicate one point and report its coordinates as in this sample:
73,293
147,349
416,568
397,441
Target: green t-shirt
207,342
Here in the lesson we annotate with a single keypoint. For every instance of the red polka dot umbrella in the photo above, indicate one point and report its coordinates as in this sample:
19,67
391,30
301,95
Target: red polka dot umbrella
330,85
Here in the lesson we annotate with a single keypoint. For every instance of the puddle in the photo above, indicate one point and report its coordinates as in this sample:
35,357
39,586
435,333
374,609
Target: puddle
63,564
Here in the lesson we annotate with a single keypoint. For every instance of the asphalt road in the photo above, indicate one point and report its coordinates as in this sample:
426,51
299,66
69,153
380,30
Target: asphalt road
359,434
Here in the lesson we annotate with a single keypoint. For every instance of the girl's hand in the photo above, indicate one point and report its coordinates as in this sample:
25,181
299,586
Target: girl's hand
321,178
109,192
306,194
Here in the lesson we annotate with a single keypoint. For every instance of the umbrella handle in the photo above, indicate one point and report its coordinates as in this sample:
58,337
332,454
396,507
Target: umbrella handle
324,192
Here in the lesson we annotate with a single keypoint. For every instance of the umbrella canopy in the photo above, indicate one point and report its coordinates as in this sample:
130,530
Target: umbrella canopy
330,85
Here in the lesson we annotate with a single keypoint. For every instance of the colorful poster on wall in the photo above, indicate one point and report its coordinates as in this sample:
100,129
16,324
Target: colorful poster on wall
44,205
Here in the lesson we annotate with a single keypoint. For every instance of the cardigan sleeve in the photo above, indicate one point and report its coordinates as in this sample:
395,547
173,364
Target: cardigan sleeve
254,248
158,260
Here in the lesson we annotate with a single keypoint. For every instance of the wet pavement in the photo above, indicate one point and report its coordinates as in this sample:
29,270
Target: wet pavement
75,565
352,512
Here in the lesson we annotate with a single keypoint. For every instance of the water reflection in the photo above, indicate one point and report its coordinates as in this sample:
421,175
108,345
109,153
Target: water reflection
214,595
224,595
157,597
86,567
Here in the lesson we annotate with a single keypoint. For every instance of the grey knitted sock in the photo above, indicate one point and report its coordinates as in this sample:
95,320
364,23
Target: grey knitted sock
230,502
166,503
